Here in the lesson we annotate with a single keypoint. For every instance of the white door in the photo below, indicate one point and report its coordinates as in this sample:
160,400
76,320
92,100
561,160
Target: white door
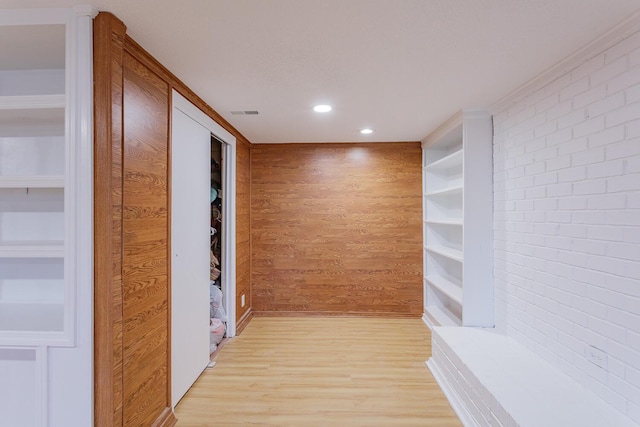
190,222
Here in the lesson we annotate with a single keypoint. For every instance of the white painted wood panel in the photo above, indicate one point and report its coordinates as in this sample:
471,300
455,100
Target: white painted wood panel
22,404
478,220
228,261
190,224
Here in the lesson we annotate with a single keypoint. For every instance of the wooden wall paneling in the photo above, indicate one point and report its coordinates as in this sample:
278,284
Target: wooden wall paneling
132,308
145,246
243,236
174,82
243,233
108,323
336,229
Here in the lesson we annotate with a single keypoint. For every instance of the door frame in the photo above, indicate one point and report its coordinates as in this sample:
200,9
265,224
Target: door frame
228,261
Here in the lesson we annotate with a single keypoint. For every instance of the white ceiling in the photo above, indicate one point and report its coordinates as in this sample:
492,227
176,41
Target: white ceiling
400,67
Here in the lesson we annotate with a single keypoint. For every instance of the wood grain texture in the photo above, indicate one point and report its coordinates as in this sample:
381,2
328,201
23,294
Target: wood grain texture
243,229
132,308
108,323
132,47
243,180
321,372
145,248
244,321
336,228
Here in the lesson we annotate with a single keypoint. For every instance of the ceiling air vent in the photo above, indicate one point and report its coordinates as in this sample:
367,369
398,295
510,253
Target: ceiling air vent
244,113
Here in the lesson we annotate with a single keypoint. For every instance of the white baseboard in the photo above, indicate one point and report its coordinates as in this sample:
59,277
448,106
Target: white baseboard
427,322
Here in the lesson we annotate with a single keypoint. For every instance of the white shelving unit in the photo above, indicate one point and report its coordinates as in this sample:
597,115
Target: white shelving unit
46,212
458,205
37,180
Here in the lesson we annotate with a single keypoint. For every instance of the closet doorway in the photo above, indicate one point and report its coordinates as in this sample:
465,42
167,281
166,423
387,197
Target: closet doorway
192,134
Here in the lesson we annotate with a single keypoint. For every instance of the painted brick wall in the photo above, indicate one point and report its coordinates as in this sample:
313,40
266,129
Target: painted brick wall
567,222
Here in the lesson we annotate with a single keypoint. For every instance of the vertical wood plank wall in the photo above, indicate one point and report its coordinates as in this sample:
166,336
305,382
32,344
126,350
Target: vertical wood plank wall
336,229
132,102
145,247
243,232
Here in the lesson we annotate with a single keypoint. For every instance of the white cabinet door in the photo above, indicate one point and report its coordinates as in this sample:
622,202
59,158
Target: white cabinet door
190,183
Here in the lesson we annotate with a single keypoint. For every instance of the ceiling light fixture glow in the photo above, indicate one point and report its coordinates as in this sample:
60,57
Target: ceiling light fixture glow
366,131
322,108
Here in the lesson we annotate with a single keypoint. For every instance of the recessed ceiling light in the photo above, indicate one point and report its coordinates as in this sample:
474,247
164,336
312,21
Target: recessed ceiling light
322,108
366,131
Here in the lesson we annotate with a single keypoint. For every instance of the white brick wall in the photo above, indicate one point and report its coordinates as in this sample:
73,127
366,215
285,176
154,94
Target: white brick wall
475,397
490,380
567,222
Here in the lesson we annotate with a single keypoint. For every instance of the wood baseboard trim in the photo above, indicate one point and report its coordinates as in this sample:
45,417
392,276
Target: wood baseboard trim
334,314
166,419
244,321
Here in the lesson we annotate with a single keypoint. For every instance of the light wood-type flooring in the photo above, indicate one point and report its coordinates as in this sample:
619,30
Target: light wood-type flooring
321,371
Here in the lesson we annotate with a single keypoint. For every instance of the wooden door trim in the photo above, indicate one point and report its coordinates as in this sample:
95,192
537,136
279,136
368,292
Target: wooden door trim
109,35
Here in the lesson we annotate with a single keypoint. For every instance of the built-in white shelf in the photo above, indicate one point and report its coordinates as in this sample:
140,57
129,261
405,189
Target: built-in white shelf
454,189
34,181
31,115
32,249
31,110
36,230
450,161
441,316
458,218
32,102
31,316
455,222
454,254
446,287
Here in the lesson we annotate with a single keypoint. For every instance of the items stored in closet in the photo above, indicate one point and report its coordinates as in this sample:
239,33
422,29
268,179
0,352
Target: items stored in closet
218,316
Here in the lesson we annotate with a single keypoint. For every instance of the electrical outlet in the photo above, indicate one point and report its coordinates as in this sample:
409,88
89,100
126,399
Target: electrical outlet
242,300
597,357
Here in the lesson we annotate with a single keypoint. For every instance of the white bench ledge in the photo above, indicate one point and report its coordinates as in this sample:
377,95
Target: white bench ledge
491,380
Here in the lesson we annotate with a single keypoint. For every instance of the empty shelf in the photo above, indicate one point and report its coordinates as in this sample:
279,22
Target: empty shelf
452,160
444,221
31,249
446,287
444,251
31,317
32,181
31,102
455,189
440,316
